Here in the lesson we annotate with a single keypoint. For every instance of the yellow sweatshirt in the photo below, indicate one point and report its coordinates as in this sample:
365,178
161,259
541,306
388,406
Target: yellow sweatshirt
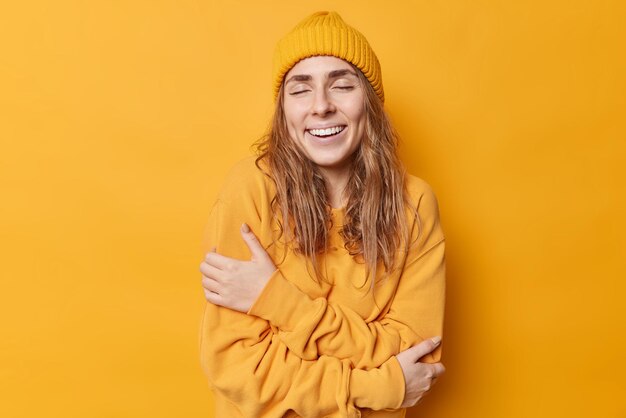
313,350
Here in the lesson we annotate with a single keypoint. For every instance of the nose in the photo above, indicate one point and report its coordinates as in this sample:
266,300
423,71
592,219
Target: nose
322,104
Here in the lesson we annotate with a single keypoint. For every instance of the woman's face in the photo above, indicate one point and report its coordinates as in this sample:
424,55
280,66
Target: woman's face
324,110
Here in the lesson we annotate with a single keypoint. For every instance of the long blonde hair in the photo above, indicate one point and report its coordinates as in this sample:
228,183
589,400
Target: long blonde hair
375,224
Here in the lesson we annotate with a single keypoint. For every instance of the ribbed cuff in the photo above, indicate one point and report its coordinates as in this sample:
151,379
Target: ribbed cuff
282,303
380,388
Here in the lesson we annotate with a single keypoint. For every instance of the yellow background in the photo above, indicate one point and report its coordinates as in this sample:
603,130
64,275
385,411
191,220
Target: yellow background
119,120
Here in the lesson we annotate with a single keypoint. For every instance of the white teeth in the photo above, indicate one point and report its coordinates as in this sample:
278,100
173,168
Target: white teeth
326,132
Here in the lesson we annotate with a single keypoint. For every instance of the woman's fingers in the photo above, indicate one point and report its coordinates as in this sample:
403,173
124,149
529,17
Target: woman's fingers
257,250
236,283
211,290
211,271
419,377
439,369
423,348
210,285
218,261
213,298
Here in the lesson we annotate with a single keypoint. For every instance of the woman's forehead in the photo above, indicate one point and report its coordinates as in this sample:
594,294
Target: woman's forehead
319,65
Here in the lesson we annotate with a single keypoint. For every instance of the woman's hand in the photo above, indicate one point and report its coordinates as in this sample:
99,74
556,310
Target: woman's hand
419,377
236,284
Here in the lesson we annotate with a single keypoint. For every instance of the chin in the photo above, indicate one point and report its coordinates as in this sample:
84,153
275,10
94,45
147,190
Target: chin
325,159
329,159
329,164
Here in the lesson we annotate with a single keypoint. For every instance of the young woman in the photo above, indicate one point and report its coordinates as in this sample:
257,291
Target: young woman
325,274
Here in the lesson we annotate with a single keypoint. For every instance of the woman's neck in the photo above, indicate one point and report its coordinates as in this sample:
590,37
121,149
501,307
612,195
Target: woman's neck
336,181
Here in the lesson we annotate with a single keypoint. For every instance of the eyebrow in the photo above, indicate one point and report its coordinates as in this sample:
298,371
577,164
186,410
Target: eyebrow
332,74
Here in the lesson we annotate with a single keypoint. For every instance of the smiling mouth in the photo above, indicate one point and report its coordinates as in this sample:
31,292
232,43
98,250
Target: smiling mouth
328,132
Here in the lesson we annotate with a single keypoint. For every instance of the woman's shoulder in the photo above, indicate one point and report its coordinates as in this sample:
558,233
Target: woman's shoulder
247,167
246,177
424,214
421,194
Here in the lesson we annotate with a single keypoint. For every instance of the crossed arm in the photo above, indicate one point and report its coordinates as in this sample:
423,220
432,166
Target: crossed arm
268,363
246,361
311,328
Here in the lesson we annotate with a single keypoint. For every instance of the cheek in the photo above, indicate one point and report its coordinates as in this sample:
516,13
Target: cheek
355,110
360,119
292,115
293,127
289,121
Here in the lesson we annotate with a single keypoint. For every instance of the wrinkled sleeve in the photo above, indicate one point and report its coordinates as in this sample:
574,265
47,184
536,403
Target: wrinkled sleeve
247,363
314,327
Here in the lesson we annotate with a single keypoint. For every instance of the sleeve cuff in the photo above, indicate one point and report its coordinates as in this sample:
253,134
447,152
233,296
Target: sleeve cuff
282,303
380,388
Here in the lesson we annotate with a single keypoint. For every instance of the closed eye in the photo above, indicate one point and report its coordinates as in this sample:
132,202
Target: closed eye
295,93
